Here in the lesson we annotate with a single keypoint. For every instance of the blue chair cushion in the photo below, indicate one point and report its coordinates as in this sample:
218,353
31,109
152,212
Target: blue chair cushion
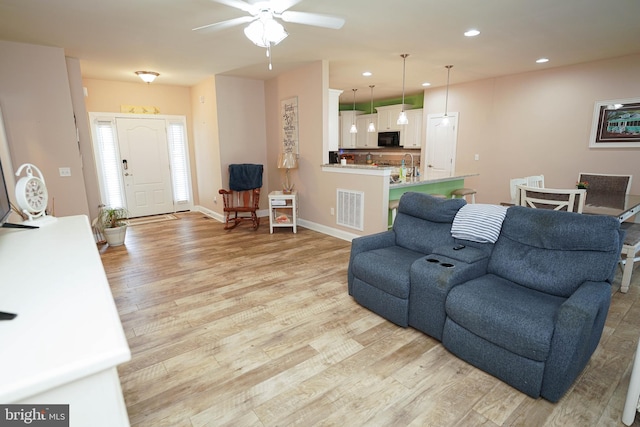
516,318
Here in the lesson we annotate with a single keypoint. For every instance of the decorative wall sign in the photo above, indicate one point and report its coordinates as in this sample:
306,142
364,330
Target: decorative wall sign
289,114
616,124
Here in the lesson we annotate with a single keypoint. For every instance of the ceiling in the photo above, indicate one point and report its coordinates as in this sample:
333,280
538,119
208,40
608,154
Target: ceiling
114,38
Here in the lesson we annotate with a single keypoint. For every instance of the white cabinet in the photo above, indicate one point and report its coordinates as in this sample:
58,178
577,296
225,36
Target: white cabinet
411,134
333,143
365,139
388,117
65,344
347,118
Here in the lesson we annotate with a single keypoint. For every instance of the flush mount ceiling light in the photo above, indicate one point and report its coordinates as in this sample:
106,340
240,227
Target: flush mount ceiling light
445,118
147,76
542,60
353,128
372,127
402,118
471,33
367,74
425,84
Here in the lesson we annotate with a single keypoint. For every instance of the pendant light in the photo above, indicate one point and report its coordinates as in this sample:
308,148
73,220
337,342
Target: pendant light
402,118
372,127
354,129
445,118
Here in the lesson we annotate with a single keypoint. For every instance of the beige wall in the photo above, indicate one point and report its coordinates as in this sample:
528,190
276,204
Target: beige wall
538,123
104,96
242,127
35,97
316,189
206,145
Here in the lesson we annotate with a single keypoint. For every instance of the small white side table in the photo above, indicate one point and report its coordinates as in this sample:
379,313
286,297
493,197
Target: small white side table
283,210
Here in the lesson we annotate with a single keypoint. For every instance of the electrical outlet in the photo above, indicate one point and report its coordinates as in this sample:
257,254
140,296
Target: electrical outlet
333,211
215,199
477,157
65,171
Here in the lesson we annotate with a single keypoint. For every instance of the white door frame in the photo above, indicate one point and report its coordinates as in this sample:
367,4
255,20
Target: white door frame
98,116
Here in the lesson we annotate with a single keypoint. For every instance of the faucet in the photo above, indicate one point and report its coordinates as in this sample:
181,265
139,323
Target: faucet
413,170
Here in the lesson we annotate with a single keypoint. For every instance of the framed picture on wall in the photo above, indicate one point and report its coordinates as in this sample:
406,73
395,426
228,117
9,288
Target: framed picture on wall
616,124
289,116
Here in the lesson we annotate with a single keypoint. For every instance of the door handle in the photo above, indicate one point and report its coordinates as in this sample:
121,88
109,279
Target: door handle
125,165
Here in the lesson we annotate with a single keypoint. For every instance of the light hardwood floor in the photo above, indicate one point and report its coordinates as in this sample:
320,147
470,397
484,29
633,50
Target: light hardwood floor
246,328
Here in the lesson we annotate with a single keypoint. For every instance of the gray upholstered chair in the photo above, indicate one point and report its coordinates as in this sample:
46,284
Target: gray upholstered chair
379,273
536,317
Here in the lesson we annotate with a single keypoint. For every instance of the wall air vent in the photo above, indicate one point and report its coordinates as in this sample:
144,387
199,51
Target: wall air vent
350,209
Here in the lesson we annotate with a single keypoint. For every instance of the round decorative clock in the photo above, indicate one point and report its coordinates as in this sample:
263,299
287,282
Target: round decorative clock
31,192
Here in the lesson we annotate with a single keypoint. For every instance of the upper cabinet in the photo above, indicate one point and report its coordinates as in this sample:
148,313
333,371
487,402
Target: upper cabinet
348,118
365,139
388,117
411,135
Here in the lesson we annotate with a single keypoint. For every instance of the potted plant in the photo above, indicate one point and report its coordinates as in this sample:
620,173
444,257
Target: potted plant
113,224
582,185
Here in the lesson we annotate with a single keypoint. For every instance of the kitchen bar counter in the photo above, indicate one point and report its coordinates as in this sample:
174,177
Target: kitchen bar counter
429,178
377,183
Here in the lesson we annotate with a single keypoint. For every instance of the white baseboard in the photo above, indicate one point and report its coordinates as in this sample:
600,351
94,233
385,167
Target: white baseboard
340,234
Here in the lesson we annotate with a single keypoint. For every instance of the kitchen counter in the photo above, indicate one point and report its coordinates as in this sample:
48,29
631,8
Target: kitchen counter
429,178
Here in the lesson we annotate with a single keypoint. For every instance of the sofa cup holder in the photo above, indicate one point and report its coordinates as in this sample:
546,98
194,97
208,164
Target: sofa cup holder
437,261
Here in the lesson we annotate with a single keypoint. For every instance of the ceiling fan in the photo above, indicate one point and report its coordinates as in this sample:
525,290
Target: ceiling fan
264,30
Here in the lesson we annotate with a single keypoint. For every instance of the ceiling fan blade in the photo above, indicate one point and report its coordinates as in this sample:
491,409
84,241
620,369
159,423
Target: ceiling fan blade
225,24
315,19
279,6
238,4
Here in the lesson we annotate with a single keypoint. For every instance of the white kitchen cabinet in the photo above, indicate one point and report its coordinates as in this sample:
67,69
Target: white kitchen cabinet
388,117
365,139
348,139
411,134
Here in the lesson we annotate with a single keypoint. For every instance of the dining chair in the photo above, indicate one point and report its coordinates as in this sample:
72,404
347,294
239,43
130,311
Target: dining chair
570,200
515,194
606,183
536,181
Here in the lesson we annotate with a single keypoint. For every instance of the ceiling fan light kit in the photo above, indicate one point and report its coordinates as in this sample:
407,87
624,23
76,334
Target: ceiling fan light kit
264,30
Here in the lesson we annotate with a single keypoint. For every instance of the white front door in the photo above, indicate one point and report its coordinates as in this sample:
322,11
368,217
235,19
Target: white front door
441,143
145,166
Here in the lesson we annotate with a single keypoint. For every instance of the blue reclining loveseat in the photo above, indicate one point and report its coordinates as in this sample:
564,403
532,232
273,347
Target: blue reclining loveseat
528,309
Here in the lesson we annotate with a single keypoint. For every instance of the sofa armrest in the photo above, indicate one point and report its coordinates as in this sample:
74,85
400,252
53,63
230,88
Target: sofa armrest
368,243
579,324
432,278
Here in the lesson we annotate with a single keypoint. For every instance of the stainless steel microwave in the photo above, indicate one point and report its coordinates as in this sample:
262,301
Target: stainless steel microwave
389,139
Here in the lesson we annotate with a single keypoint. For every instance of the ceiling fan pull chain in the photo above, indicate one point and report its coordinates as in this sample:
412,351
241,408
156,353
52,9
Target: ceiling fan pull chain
269,56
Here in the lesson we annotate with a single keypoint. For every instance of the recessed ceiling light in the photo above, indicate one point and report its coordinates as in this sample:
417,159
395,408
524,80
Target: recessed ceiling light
471,33
425,84
542,60
367,74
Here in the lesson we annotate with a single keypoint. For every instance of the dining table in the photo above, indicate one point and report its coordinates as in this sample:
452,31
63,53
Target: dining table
620,205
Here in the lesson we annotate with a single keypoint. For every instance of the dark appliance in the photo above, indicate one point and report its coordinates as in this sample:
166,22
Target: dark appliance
334,157
389,139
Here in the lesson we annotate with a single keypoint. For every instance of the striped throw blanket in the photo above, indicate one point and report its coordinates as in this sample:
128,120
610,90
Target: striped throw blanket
478,222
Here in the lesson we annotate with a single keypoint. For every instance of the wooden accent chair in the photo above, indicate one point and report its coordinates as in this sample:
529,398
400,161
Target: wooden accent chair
570,200
242,200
